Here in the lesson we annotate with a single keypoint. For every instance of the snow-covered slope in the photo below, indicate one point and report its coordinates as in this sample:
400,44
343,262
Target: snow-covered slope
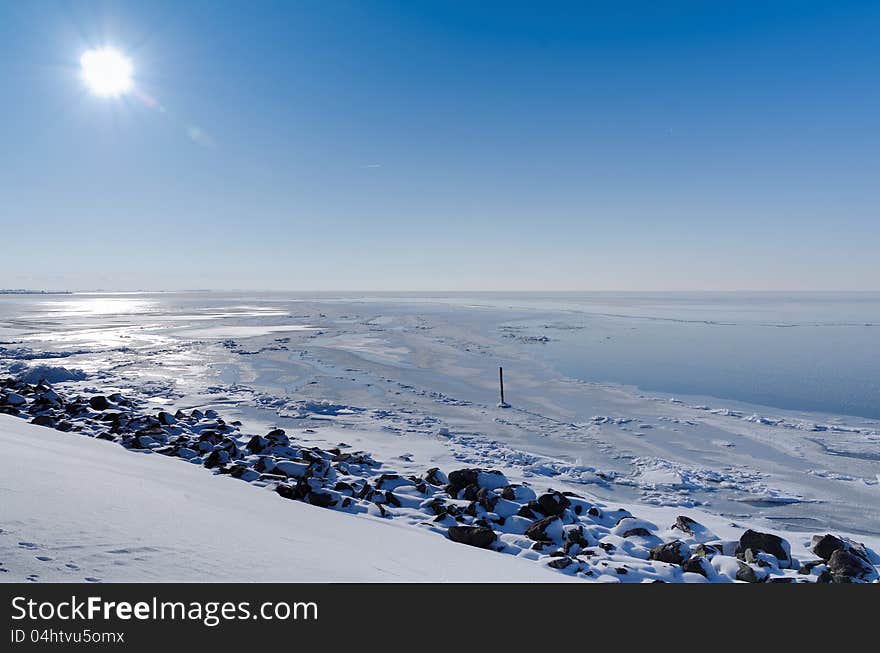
75,508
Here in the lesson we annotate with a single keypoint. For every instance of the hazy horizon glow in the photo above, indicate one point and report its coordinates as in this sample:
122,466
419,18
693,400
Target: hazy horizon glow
569,146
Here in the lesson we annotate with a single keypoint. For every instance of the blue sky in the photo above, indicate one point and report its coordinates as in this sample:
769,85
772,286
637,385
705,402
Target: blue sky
443,146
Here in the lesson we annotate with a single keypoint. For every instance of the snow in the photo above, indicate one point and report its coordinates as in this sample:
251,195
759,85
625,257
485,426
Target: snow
48,373
76,509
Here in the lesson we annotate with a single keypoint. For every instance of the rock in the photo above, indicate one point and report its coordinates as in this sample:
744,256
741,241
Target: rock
747,574
766,542
553,503
291,491
435,477
44,420
706,550
697,565
470,492
460,479
477,536
675,552
560,562
520,493
436,505
547,529
760,558
278,437
342,486
166,418
216,458
99,403
322,499
846,567
526,511
14,399
256,444
473,480
575,537
636,532
807,568
687,525
824,546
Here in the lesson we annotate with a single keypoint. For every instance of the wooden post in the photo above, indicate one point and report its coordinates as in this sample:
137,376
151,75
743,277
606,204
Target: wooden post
501,383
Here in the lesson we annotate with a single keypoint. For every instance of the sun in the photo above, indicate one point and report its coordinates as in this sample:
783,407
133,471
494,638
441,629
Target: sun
107,72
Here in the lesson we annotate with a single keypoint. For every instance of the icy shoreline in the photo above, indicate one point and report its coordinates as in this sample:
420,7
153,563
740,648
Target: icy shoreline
572,533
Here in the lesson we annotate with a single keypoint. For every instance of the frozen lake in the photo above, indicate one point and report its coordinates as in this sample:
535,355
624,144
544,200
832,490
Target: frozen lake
815,352
808,352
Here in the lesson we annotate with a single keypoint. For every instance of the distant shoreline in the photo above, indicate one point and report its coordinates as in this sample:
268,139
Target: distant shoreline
7,291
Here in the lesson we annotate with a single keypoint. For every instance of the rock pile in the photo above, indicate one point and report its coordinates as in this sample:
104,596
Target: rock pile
470,506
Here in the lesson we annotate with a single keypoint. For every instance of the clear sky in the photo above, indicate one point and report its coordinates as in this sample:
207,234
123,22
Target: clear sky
443,146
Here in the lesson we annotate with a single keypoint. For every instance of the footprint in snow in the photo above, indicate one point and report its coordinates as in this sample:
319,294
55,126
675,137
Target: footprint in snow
27,545
92,579
70,565
43,558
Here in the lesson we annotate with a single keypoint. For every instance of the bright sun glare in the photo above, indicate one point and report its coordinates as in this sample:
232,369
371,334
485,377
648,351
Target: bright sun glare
107,72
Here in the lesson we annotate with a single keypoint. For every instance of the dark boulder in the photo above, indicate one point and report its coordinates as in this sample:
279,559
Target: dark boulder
278,437
675,552
166,418
560,563
553,503
765,542
747,574
706,550
216,458
322,499
436,506
461,478
477,536
296,492
547,529
99,402
825,545
697,565
637,532
435,477
526,511
806,568
847,567
686,525
488,500
342,486
256,444
44,420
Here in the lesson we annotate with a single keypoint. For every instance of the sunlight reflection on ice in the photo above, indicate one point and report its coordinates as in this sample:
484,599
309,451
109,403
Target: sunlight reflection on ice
100,305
